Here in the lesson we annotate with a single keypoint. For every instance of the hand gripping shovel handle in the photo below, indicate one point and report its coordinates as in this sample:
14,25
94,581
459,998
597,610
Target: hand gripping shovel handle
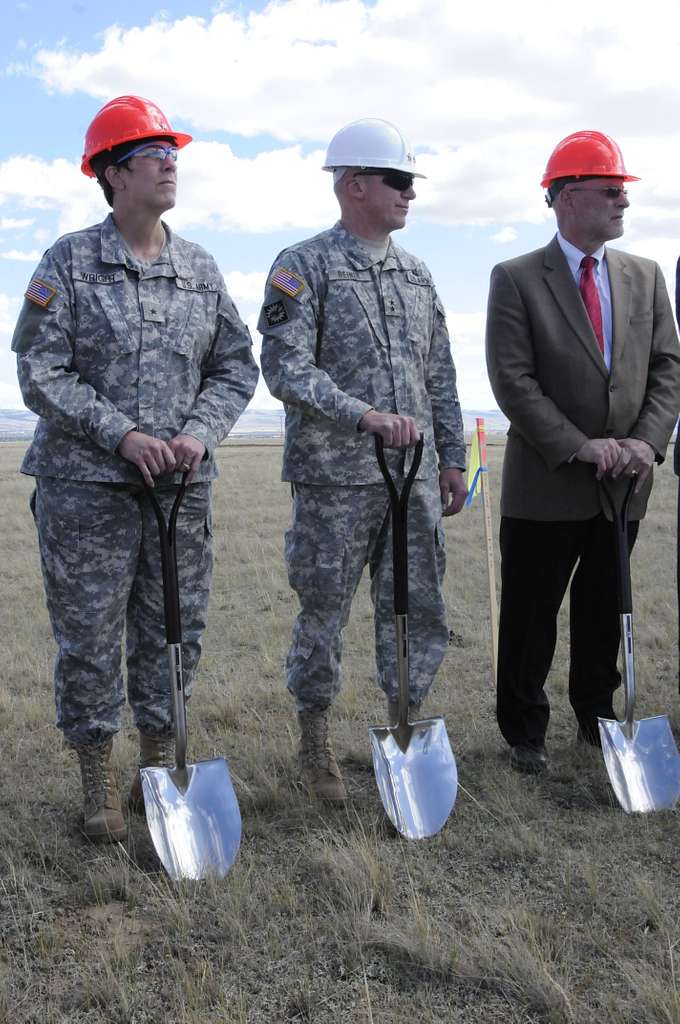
399,508
173,625
620,518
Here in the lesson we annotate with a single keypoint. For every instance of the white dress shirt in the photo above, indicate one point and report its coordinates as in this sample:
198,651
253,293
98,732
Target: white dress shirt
574,257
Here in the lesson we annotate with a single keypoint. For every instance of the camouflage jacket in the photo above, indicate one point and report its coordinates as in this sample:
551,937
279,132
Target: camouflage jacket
106,344
344,333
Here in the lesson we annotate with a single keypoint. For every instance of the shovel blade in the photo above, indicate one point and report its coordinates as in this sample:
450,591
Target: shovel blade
643,767
193,818
418,784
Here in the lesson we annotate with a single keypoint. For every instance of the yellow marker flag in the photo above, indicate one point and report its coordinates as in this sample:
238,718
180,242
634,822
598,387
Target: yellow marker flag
477,466
478,481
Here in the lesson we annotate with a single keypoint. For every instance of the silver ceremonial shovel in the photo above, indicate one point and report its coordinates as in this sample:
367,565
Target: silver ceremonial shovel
191,809
413,762
641,757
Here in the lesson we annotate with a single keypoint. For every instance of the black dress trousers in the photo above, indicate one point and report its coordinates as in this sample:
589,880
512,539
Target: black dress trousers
537,562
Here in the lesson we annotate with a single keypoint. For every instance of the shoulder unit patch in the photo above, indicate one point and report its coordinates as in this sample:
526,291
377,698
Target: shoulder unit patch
40,292
275,313
286,281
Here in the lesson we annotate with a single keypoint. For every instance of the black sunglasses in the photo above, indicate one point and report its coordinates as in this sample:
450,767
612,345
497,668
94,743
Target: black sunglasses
611,191
402,181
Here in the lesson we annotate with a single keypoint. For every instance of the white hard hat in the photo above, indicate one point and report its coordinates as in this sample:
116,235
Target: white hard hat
371,142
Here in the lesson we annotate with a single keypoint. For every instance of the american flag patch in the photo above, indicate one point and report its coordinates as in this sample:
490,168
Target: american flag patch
287,282
40,292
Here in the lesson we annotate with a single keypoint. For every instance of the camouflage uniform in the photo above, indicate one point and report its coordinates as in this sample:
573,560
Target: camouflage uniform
99,551
119,346
345,333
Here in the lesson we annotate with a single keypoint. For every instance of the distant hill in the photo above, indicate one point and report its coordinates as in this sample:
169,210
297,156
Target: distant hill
494,420
19,424
16,424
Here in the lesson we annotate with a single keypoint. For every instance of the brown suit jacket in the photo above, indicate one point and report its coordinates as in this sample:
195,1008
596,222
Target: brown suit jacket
552,383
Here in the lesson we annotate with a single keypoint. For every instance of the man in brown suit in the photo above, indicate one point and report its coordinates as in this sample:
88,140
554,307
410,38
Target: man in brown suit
583,359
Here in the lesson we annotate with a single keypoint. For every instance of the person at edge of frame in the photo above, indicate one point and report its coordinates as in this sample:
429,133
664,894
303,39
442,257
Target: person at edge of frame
134,357
676,469
355,344
584,361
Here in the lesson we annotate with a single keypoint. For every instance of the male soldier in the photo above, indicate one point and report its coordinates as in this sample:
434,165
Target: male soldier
676,469
134,358
355,344
583,360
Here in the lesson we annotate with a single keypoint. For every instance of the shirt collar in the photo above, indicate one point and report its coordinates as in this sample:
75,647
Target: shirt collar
114,249
358,256
574,256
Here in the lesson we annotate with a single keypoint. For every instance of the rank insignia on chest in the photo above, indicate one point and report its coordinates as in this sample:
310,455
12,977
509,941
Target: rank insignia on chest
275,314
40,292
288,282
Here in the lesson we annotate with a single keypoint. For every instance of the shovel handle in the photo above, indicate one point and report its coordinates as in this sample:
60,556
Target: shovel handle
620,517
173,624
167,534
399,508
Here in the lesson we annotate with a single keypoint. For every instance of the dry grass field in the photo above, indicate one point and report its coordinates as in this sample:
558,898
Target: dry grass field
540,901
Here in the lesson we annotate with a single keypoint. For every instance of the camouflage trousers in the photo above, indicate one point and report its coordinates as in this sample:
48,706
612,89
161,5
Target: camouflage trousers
334,533
100,556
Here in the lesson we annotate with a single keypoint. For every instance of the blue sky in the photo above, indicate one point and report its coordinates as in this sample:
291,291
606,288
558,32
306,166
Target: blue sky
484,92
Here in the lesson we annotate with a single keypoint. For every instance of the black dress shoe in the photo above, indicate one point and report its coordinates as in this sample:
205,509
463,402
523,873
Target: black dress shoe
530,760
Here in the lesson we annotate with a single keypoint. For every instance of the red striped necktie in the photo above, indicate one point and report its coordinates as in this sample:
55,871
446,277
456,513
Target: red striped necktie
591,298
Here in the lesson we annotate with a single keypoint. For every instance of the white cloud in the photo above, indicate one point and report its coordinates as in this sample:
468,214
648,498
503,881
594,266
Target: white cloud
505,235
10,396
246,288
484,182
349,51
276,189
663,251
281,189
262,399
9,310
467,344
480,91
484,90
21,255
55,185
15,223
446,72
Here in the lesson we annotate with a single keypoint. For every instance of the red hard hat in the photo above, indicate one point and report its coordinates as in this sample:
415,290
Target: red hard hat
586,154
126,119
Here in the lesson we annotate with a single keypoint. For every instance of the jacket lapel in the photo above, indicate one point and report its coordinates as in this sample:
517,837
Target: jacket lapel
559,280
619,286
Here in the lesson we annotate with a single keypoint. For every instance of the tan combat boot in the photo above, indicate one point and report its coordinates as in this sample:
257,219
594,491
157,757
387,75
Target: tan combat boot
154,752
319,772
393,712
102,816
